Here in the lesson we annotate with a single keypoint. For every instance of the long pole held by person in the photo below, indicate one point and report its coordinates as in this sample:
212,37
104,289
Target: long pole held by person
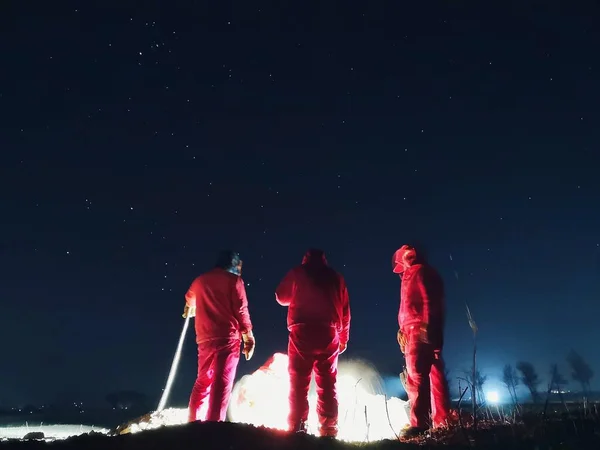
174,366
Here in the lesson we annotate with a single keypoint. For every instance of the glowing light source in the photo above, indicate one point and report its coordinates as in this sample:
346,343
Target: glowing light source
365,414
261,399
492,397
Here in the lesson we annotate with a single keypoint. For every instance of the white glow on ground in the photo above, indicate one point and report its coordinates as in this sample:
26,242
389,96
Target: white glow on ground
165,418
261,399
51,432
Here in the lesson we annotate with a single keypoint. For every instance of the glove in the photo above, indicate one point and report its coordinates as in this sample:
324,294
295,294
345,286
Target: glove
189,312
343,347
401,338
249,344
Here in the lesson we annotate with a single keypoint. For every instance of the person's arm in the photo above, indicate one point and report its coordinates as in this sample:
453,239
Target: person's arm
240,307
424,282
285,290
190,301
190,296
345,331
240,310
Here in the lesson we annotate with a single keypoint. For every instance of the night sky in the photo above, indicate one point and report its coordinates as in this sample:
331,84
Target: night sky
137,141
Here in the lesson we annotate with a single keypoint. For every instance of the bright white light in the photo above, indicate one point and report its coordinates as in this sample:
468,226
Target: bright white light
51,432
261,399
165,418
492,397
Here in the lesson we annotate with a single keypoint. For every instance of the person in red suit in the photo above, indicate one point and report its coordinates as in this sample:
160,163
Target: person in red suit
421,338
217,300
318,320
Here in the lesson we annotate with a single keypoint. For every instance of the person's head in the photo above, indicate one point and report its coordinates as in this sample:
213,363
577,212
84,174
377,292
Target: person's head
403,258
230,261
314,255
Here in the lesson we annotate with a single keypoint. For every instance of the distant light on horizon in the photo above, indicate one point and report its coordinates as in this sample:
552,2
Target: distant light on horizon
492,397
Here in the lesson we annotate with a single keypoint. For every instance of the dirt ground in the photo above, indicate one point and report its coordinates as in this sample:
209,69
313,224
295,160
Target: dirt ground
552,434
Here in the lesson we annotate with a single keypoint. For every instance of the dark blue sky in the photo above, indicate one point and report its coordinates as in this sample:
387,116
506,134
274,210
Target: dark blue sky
138,141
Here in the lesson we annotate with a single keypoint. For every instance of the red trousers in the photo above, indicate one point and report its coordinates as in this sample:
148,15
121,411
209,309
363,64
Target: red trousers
426,383
217,365
313,348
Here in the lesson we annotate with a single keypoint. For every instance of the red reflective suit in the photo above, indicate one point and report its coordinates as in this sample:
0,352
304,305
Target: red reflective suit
319,323
422,308
221,316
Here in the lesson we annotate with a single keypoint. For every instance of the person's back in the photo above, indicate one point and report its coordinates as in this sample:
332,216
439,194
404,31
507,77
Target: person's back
319,324
315,293
221,305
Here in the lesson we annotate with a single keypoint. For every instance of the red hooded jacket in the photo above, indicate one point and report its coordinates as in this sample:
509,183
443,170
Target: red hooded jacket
221,305
315,295
421,297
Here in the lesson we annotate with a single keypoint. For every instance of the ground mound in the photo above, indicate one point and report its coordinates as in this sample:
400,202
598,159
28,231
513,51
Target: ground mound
551,434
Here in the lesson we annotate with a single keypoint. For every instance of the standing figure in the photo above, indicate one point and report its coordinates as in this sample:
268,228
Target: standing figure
217,299
421,339
318,320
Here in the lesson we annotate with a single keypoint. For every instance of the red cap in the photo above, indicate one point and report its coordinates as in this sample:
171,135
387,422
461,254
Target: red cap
404,255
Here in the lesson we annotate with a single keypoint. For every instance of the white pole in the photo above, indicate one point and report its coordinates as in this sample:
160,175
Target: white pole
174,365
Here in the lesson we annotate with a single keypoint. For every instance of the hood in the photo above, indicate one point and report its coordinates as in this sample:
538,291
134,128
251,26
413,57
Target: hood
403,258
314,255
230,261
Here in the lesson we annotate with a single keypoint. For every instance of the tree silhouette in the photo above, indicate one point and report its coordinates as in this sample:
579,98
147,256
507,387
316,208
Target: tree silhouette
510,378
557,381
530,379
477,383
582,372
